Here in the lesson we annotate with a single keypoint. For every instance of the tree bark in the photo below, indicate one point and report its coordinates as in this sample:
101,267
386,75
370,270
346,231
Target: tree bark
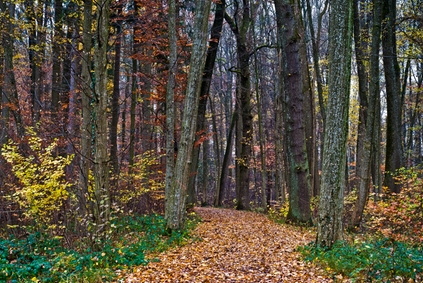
58,56
114,160
84,198
216,32
296,94
364,159
329,225
171,208
100,105
243,104
225,163
394,106
177,189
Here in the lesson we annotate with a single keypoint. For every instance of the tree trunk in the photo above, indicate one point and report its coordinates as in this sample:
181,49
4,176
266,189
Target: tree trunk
10,95
364,169
5,113
329,226
114,161
392,78
171,208
216,31
58,54
86,112
280,172
296,95
34,58
225,163
100,105
176,191
243,106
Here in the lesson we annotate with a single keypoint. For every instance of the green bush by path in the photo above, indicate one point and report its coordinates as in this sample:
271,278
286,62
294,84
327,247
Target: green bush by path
42,258
373,261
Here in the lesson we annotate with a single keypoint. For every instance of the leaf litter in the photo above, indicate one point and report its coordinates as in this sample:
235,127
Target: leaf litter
234,246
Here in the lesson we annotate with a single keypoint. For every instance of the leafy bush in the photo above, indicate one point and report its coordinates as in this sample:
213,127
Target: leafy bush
42,187
378,260
399,216
41,258
143,178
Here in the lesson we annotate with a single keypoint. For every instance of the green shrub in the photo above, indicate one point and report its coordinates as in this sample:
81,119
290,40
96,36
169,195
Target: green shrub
42,258
377,260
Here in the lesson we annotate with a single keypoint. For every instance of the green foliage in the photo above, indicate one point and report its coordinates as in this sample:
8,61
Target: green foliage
42,186
41,258
374,261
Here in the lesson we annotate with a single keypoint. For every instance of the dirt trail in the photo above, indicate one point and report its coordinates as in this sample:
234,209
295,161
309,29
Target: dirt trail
235,246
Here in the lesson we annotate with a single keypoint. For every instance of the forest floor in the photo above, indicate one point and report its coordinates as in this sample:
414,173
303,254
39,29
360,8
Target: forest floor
234,246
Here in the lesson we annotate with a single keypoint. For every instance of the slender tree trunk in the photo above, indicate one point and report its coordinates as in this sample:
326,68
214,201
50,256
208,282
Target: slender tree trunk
364,170
132,114
261,135
101,156
84,197
216,31
280,173
315,52
392,78
243,106
58,54
225,163
329,226
170,192
4,119
216,143
114,160
10,95
361,55
35,60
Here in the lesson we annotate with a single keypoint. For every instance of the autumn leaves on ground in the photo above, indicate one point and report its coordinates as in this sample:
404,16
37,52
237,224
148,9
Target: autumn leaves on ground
234,246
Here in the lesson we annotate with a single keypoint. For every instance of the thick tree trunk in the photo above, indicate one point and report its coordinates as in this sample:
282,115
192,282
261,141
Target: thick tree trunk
296,95
329,226
177,189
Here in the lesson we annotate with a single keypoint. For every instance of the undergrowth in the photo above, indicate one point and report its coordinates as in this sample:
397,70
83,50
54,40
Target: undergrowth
42,258
379,260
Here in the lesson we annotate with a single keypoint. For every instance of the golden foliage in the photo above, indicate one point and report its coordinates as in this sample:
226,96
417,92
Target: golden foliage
42,187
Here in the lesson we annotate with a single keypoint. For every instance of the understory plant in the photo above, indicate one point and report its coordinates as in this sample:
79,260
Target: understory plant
42,258
41,187
379,260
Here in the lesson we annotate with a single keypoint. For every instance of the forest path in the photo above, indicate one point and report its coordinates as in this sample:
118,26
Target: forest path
235,246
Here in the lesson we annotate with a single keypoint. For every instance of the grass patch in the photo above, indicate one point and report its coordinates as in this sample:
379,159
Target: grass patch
380,260
42,258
